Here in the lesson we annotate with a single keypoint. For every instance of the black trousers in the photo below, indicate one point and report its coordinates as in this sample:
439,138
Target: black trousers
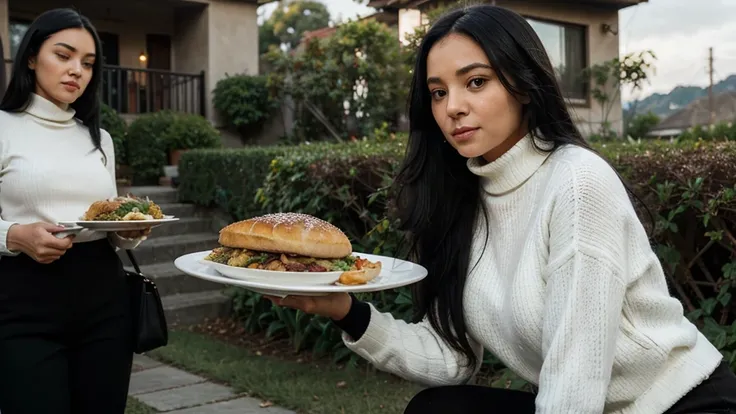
65,343
716,395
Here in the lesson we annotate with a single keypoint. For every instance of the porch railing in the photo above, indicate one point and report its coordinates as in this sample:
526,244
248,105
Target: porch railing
138,91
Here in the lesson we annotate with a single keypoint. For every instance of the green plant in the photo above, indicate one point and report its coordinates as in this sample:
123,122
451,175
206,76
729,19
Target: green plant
641,124
147,150
115,125
227,178
244,101
330,79
607,78
190,131
151,137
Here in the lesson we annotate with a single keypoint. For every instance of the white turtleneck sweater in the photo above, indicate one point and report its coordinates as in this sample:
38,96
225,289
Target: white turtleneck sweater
50,171
567,293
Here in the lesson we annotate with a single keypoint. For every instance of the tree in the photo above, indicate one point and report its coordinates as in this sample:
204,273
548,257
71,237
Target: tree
610,76
346,85
289,21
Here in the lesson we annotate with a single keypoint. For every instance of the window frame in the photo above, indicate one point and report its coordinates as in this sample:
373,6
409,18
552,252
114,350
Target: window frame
574,101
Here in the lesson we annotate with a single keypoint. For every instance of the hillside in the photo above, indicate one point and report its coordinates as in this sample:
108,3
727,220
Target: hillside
665,105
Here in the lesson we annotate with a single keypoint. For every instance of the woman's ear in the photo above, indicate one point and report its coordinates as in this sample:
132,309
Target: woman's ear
32,63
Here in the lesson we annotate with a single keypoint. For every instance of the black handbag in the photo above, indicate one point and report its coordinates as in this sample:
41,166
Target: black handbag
149,322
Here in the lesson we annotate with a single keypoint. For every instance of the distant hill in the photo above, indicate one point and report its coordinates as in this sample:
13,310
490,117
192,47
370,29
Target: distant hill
665,105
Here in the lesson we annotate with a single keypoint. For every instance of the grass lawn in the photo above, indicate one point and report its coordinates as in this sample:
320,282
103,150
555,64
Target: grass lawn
135,407
314,387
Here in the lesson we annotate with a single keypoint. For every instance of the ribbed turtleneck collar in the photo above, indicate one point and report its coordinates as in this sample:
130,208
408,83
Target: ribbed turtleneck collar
46,110
512,169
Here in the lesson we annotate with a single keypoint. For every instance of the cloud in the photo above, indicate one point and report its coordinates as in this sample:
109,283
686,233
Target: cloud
680,37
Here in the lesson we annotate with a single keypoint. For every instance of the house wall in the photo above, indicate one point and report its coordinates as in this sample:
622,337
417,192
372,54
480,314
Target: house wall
232,44
601,47
131,21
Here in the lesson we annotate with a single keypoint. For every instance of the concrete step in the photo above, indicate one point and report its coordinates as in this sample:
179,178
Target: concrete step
171,281
160,195
185,225
166,249
193,308
180,210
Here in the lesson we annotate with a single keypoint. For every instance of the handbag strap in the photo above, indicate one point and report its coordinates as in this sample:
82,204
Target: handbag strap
133,261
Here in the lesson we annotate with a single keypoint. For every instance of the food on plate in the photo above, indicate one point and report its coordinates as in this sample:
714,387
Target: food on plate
123,209
292,242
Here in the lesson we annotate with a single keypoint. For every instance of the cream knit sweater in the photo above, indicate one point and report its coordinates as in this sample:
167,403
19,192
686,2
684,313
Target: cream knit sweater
50,170
567,293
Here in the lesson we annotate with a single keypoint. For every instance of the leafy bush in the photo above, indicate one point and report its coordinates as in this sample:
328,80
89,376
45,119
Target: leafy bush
244,101
723,131
191,131
146,146
152,136
329,82
115,125
641,124
689,188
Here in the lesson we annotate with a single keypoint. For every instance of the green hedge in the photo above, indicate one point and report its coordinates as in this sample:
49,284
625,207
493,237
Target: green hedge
152,136
688,186
226,178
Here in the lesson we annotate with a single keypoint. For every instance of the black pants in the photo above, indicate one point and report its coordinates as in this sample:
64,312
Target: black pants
716,395
65,344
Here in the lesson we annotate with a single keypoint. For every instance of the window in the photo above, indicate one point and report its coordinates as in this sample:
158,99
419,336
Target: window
17,29
567,49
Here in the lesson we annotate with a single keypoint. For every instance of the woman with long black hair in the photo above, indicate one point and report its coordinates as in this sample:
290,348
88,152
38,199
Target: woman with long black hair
534,249
65,324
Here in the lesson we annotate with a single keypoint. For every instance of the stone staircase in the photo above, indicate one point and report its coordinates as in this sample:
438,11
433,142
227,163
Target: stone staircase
187,300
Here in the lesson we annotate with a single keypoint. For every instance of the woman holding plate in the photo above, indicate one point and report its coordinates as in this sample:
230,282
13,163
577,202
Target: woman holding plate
65,324
533,247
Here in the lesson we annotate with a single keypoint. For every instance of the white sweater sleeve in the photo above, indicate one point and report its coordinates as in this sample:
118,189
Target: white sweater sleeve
594,235
414,352
4,225
109,148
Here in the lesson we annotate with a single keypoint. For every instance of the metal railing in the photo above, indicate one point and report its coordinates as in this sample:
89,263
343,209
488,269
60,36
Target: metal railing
138,91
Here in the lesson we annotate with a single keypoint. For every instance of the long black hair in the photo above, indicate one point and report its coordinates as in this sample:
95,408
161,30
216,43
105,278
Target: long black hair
438,197
23,79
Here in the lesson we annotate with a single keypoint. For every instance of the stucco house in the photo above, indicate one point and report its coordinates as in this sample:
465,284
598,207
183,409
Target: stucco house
576,33
159,54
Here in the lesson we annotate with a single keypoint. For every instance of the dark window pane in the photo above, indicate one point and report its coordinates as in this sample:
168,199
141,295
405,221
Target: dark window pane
566,46
17,30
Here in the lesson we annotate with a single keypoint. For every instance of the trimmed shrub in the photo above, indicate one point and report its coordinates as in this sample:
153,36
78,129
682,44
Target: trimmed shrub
244,101
152,136
227,178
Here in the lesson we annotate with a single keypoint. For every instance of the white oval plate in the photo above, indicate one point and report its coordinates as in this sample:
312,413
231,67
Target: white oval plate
281,278
394,273
122,225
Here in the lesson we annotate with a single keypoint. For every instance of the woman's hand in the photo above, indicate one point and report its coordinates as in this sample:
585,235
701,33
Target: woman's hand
334,306
134,234
37,240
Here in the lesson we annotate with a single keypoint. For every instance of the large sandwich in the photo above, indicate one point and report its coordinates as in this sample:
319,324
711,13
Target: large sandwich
123,208
292,242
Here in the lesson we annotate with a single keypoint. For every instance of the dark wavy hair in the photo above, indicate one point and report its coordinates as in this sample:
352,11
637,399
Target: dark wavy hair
23,79
438,199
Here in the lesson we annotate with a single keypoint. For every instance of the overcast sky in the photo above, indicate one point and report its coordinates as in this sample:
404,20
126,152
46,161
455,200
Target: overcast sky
678,31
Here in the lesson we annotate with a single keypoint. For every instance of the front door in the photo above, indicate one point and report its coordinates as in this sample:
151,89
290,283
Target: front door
159,58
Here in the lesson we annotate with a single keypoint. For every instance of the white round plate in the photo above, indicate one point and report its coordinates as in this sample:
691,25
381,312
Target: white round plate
122,225
394,273
272,276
